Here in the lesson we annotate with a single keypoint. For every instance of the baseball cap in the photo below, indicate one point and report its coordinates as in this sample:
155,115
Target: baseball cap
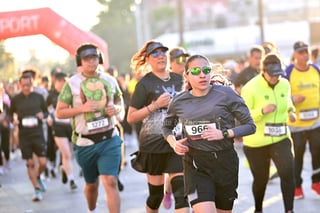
300,46
177,52
89,51
60,75
274,69
155,45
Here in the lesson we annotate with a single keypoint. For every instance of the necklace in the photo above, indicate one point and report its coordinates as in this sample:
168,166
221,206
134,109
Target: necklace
166,79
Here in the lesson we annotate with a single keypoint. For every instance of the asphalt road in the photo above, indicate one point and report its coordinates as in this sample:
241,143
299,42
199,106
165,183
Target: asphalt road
16,191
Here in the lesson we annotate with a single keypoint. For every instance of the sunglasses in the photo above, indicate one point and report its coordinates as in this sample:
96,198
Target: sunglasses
157,53
181,60
197,70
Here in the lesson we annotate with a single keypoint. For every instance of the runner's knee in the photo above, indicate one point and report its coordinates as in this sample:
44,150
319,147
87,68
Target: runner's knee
155,196
177,185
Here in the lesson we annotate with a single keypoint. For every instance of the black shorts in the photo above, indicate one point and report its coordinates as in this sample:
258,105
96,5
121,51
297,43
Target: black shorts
32,144
212,176
62,131
159,163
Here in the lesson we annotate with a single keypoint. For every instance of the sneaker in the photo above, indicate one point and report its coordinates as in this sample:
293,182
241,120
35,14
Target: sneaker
43,186
167,202
46,173
298,193
316,188
64,177
53,173
120,186
73,185
37,195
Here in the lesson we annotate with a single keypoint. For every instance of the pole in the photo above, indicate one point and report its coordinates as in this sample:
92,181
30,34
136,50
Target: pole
261,20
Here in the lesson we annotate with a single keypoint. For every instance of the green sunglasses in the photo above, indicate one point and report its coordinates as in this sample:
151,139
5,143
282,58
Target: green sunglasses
197,70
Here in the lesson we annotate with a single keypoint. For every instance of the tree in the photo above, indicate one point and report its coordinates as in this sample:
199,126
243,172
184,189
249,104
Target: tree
117,28
7,64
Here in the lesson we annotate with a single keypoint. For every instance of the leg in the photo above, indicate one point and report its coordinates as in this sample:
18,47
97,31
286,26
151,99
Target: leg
299,142
167,201
64,147
112,193
91,194
314,145
282,157
32,172
156,185
205,207
177,184
259,162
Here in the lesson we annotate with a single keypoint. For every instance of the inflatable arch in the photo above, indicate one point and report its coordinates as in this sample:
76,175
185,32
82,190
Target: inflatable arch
45,21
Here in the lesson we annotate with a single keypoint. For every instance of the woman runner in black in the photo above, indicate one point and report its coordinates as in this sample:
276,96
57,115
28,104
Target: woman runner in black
208,114
149,105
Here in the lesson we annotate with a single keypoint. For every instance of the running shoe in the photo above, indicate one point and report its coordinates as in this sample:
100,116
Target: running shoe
298,193
64,177
53,173
43,186
167,201
316,188
73,185
37,196
120,186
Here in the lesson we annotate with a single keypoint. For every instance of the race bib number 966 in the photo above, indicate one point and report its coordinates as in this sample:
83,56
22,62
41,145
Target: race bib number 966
195,131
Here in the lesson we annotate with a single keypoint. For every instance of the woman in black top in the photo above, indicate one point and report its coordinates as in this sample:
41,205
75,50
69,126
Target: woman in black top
149,105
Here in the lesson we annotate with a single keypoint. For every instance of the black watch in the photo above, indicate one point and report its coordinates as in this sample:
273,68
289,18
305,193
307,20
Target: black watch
225,133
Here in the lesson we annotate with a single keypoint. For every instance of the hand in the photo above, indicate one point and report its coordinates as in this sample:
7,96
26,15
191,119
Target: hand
49,121
40,115
111,110
89,106
163,100
269,108
298,99
212,134
180,148
292,116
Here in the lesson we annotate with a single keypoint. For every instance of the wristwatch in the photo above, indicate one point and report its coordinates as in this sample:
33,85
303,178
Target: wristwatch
225,133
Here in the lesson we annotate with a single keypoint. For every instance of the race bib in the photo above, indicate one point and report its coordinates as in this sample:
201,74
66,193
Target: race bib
275,130
195,131
97,124
311,114
29,122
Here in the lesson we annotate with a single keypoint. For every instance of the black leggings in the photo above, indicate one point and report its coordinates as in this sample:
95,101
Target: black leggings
5,143
259,160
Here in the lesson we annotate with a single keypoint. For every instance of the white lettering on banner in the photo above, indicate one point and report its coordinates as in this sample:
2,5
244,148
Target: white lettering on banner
19,24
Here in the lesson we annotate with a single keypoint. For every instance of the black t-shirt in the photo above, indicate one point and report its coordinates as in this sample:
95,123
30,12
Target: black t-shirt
148,89
52,98
28,107
246,75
